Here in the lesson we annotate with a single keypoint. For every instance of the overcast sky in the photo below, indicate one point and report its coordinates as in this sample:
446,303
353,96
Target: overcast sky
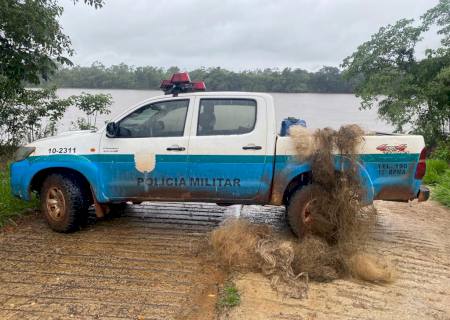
234,34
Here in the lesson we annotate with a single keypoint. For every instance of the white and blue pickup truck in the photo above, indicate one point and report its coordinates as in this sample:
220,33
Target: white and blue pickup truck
219,147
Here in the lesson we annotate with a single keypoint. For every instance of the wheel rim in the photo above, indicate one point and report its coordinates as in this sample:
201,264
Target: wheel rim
56,204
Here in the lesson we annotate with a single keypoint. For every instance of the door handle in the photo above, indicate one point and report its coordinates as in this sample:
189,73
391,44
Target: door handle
251,147
175,148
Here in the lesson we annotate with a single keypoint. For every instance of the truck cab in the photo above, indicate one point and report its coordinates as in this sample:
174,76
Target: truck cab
194,147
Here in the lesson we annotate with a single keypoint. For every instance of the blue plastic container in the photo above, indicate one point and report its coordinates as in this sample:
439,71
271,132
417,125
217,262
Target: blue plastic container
288,122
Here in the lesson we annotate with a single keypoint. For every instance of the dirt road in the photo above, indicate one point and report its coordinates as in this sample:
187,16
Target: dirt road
416,237
145,265
140,266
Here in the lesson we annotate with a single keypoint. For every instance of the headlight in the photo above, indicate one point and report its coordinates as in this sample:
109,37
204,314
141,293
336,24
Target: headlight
23,152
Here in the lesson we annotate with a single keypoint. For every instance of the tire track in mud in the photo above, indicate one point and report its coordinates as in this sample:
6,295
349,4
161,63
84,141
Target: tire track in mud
140,266
415,237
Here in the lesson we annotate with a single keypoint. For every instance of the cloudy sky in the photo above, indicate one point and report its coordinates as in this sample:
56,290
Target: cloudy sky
234,34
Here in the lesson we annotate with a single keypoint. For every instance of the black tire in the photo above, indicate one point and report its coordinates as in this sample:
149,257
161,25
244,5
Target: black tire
64,202
297,216
301,216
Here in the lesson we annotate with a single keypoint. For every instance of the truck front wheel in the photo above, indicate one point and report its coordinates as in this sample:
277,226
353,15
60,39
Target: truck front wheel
64,202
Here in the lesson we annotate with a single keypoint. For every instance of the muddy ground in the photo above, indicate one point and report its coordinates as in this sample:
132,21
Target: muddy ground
147,265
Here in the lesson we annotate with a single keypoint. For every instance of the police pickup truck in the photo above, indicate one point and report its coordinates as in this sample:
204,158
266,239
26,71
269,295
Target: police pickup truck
190,145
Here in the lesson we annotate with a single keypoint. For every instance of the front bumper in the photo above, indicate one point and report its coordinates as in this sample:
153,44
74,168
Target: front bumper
424,194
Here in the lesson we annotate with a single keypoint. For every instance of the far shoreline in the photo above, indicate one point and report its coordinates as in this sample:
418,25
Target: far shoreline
269,92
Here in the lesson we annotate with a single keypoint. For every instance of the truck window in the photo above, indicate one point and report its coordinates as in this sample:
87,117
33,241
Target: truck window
160,119
226,116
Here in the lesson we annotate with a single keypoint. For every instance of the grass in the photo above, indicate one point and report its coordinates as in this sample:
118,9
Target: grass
10,206
438,176
229,297
435,170
442,189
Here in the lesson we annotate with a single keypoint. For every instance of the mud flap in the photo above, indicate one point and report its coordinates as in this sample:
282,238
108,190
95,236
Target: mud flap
100,209
424,194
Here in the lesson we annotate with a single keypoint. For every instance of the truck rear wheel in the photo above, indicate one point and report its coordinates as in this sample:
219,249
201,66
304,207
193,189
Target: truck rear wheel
301,217
64,203
298,210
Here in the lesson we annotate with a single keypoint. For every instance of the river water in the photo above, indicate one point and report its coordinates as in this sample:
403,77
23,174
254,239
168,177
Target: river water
318,110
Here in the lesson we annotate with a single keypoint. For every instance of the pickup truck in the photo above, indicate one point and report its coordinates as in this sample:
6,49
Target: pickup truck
219,147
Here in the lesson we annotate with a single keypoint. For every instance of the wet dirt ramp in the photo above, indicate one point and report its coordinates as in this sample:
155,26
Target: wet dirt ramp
143,266
139,266
416,237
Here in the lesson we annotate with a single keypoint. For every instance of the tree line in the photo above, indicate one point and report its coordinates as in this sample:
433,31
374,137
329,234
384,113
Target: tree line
123,76
407,89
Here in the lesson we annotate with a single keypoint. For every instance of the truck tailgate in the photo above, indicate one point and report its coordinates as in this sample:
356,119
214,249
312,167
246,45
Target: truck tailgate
391,163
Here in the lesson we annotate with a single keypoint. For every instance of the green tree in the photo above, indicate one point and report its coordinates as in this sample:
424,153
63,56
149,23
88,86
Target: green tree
92,105
32,43
408,91
32,46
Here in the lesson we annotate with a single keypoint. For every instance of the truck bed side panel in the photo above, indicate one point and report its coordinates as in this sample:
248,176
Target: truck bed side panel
387,167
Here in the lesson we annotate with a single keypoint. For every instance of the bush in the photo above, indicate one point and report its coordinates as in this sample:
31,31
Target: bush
92,105
34,114
442,151
435,169
442,189
438,175
10,206
30,115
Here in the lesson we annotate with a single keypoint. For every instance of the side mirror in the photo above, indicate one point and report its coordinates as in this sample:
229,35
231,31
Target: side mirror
112,130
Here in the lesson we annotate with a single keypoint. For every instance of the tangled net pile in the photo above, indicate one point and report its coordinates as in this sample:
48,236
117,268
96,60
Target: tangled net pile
336,247
244,246
337,193
345,223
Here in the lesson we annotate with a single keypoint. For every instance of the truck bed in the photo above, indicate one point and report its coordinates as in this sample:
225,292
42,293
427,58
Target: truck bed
387,165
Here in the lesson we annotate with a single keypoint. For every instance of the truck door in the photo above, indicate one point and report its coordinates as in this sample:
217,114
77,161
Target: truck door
148,158
228,149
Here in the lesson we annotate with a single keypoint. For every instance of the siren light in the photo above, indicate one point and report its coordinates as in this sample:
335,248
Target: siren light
199,86
181,83
180,78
